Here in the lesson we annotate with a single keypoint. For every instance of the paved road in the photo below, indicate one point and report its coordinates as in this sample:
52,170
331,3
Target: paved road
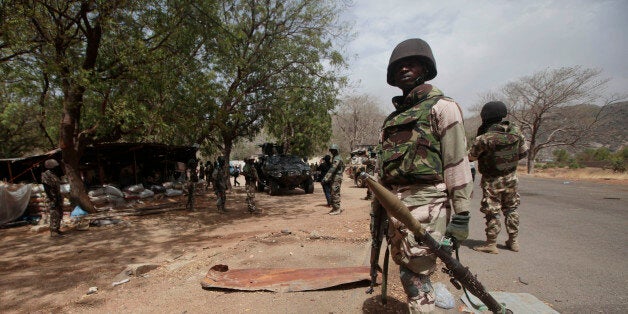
574,238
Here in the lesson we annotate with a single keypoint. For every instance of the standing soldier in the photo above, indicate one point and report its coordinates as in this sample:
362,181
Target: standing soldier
209,170
192,180
498,147
370,162
334,176
423,160
322,171
52,187
220,184
250,184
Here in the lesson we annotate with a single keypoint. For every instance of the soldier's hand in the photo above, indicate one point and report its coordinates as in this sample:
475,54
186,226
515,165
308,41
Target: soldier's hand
458,228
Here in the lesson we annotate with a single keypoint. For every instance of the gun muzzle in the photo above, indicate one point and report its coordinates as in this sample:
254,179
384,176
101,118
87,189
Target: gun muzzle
393,205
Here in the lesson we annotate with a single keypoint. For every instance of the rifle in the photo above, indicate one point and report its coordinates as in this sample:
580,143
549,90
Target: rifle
379,225
397,209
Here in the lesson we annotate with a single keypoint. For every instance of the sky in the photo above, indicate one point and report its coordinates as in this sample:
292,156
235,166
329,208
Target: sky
480,45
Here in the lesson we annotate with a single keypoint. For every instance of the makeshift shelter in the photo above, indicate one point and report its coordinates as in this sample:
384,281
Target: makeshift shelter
108,163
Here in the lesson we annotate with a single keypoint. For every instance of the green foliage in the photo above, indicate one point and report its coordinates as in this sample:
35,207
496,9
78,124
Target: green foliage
562,156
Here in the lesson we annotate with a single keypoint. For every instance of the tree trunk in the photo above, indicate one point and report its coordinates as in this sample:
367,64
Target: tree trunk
70,152
530,161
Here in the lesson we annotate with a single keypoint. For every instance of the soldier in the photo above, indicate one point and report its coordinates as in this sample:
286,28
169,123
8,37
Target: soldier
322,171
220,184
192,180
209,170
423,160
52,187
334,177
498,147
370,162
250,184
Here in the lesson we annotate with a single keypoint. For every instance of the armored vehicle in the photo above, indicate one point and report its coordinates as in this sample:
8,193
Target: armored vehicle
279,171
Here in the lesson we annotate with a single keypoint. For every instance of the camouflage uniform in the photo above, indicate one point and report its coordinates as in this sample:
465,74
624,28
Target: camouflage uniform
334,175
220,186
251,178
498,151
370,169
423,161
191,186
52,187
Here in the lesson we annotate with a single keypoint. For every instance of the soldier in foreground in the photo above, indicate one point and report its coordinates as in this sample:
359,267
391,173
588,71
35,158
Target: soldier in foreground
220,184
52,187
423,161
250,184
334,177
498,147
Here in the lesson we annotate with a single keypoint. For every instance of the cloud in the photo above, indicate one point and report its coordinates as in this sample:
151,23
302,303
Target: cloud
481,45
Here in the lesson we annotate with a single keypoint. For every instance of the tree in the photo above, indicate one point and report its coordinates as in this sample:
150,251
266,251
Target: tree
535,104
267,58
358,121
90,53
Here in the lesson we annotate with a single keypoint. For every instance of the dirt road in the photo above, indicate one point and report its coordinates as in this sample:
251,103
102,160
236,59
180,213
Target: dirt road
40,274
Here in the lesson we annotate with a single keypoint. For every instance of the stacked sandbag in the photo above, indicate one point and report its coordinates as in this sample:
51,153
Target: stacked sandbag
173,188
107,195
38,202
134,192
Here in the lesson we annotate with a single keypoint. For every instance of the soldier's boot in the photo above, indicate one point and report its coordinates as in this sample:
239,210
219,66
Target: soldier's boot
512,243
489,247
335,211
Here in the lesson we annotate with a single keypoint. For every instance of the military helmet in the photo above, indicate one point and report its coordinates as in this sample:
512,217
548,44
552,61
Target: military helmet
333,147
413,47
493,111
51,163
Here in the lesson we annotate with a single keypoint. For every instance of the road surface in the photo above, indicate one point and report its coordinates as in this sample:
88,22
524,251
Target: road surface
573,238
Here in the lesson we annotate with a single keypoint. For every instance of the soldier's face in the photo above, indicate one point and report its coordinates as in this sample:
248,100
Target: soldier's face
407,71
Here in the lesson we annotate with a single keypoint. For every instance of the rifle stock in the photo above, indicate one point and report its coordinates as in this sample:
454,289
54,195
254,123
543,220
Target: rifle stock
397,209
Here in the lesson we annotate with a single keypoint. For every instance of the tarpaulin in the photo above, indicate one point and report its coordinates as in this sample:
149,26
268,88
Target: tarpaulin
14,199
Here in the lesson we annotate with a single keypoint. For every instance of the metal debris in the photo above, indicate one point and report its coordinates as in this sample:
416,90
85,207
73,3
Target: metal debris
283,279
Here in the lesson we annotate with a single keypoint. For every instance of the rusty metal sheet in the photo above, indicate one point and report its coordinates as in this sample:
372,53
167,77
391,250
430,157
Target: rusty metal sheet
283,279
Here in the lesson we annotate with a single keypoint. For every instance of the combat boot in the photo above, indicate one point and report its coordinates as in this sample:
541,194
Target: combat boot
489,247
512,243
335,211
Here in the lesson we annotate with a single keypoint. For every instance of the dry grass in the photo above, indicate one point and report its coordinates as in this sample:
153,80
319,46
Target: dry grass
592,174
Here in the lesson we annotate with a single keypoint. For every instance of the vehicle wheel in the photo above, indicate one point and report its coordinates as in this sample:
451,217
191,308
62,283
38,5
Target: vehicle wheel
274,188
309,187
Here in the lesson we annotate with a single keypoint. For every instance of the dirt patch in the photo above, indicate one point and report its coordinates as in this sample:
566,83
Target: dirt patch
41,274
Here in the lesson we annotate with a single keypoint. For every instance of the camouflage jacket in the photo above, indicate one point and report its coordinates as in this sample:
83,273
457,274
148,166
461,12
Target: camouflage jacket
499,149
410,152
423,143
250,173
336,169
52,187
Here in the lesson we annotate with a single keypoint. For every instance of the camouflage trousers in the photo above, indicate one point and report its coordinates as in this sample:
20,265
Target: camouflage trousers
250,196
221,199
427,204
56,214
418,289
191,189
335,193
499,195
